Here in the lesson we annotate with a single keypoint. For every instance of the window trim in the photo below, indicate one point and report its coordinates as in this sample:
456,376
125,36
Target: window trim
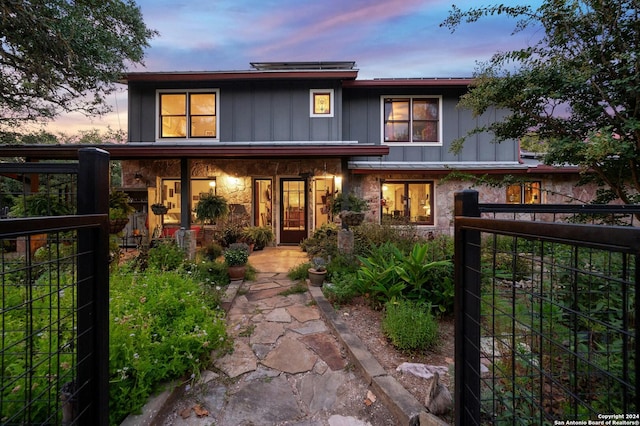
411,142
158,119
312,95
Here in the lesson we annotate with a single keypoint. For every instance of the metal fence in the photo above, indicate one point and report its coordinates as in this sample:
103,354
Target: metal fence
546,315
54,305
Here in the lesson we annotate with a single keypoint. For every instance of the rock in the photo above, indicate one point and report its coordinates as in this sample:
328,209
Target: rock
422,370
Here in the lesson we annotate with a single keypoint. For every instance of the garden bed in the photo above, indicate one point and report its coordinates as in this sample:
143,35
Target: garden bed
365,323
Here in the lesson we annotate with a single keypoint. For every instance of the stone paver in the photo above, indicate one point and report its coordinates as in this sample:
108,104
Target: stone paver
285,367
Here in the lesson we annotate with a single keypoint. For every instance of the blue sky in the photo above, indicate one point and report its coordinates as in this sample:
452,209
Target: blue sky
386,38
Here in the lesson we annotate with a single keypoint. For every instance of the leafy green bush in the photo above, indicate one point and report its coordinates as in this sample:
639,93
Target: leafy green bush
299,272
323,243
430,281
409,325
237,254
164,325
342,288
212,251
387,273
368,236
212,273
166,256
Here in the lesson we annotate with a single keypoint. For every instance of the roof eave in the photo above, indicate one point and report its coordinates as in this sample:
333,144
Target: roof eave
161,151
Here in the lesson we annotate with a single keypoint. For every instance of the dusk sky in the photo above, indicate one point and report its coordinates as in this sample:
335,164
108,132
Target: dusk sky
386,38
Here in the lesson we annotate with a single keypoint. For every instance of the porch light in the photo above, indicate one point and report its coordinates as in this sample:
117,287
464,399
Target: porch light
212,184
338,181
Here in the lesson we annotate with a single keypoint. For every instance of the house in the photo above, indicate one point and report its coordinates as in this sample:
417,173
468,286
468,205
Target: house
278,140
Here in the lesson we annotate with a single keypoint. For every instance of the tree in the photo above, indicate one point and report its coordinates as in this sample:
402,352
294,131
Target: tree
577,88
64,55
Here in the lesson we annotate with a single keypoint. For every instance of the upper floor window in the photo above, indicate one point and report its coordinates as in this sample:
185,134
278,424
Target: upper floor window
321,102
525,193
190,114
412,119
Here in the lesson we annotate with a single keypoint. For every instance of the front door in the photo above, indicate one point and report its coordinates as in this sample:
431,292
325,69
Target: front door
293,210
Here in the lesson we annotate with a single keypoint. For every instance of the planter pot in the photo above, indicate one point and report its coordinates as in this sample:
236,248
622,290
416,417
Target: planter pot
316,278
237,272
352,218
117,225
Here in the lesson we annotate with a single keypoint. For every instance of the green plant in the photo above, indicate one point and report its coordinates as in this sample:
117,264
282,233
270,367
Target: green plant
351,202
261,236
417,272
211,272
212,251
299,272
409,325
297,288
40,204
211,207
377,277
231,233
237,254
343,288
166,256
163,325
319,264
119,207
323,243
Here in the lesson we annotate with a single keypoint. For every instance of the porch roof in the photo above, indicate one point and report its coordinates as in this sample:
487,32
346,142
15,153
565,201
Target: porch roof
139,151
441,168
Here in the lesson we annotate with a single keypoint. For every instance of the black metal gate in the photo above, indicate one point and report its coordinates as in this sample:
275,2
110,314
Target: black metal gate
546,316
54,347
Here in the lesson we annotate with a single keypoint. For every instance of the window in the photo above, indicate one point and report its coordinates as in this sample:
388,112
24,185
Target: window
188,115
525,193
321,102
408,201
412,119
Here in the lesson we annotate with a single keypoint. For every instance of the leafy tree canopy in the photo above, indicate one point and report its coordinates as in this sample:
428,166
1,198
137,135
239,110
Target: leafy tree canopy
577,88
64,55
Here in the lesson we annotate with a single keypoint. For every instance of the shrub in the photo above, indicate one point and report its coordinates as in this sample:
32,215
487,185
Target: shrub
211,272
299,272
342,289
237,254
409,325
323,243
212,251
163,326
166,256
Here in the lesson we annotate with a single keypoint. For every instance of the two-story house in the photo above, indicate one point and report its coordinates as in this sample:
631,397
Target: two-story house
277,139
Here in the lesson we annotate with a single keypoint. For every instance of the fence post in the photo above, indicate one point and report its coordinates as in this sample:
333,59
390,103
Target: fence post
467,312
92,382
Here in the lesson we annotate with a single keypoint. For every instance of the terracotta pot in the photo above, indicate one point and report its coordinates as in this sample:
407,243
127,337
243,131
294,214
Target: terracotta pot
237,272
316,278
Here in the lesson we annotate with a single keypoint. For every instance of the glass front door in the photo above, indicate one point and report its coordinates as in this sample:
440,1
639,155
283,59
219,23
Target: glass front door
293,210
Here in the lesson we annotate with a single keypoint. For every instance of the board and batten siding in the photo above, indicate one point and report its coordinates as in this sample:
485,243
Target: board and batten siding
362,121
273,111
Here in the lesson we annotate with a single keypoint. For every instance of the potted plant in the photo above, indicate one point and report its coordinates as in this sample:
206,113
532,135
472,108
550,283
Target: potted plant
261,236
317,272
350,208
210,208
236,257
119,211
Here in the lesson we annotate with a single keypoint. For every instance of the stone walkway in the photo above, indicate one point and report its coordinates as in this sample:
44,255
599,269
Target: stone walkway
293,363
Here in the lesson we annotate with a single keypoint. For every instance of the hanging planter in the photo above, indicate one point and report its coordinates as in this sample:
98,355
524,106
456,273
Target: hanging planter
159,209
117,225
